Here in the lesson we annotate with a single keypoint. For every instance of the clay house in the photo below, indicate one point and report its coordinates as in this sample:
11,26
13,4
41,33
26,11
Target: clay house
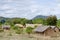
56,29
19,25
7,27
45,30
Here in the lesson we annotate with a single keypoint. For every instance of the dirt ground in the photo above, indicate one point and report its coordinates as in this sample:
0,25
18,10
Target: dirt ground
7,35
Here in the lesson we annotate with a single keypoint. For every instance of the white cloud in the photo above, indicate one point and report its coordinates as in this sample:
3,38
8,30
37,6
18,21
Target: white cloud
28,8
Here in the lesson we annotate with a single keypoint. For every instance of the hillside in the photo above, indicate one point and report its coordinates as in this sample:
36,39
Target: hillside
40,16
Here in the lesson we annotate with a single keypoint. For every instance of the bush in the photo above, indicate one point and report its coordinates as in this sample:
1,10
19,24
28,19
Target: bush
19,31
29,30
35,26
14,27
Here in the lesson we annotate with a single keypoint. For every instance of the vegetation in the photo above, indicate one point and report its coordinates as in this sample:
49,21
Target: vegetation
58,23
38,21
1,30
18,31
35,26
29,30
29,22
23,21
51,20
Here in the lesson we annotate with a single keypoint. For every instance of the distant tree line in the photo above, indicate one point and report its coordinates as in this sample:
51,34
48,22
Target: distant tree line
50,20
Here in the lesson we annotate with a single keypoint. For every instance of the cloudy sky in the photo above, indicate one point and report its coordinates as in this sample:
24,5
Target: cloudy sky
29,8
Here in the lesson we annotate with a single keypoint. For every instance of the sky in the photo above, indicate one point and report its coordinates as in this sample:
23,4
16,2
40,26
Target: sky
29,8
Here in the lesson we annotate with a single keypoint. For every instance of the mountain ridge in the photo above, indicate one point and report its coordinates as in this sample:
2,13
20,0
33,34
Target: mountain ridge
40,16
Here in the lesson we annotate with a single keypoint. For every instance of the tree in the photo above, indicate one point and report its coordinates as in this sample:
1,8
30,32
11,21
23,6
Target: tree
23,21
2,21
29,21
51,20
19,21
38,21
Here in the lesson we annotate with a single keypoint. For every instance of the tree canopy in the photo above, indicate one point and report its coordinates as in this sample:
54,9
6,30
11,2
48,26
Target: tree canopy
38,21
51,20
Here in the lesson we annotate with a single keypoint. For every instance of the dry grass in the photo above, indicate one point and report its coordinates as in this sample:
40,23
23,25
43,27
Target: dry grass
6,36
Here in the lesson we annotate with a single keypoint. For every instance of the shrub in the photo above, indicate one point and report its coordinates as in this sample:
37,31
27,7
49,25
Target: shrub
29,30
35,26
19,30
14,27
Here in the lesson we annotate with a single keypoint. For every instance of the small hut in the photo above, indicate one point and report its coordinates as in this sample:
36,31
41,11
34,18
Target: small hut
45,30
7,27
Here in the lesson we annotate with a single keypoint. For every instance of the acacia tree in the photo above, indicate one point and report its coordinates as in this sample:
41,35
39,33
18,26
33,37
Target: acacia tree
51,20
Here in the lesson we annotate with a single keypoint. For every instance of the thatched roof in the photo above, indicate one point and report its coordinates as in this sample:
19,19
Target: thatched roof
52,27
33,25
41,29
5,26
19,25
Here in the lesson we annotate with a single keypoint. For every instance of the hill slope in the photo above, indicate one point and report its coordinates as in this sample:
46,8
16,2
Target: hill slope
40,16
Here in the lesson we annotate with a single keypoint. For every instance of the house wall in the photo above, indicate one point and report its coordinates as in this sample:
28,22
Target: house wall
56,30
49,32
7,28
39,33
